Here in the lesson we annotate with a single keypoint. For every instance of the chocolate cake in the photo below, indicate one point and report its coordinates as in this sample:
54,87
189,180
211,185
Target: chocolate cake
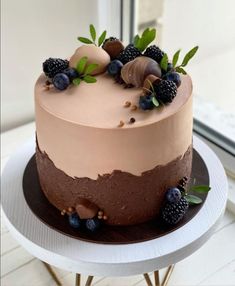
109,142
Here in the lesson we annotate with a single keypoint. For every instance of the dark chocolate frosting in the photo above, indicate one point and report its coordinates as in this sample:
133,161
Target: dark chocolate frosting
126,199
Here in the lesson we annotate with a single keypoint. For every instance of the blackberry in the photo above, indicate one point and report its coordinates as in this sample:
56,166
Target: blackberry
154,53
129,54
165,90
52,66
173,213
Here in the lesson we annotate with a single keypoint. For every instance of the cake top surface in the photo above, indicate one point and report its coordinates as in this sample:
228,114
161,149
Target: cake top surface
105,84
102,104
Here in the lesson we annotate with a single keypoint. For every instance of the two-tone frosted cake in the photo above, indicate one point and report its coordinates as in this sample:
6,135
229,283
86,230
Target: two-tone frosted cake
114,131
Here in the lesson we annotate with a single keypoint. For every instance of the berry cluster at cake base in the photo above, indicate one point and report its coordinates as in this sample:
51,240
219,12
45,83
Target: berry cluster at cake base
176,204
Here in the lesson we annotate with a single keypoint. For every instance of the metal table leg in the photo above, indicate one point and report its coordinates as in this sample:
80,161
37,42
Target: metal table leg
168,275
78,279
147,279
157,278
52,273
89,280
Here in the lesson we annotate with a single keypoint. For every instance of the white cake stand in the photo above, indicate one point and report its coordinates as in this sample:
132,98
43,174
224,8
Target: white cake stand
94,259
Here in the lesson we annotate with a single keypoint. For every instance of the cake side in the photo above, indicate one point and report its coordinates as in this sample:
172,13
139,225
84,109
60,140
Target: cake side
85,151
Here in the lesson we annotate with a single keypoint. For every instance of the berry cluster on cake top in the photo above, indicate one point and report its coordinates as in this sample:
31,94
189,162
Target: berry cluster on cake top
139,64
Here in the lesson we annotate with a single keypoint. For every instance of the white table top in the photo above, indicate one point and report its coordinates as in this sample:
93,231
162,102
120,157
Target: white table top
109,260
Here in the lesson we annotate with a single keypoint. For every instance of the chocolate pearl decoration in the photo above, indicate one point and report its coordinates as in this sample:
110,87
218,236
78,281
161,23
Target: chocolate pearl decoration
133,107
127,104
121,124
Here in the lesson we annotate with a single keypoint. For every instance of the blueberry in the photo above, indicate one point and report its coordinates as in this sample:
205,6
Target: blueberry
75,221
173,195
61,81
71,73
114,68
145,102
173,76
169,69
93,224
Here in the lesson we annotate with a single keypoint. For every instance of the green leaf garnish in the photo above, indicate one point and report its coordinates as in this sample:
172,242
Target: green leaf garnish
84,70
164,62
101,38
188,56
202,189
90,68
93,33
155,101
93,37
81,65
89,79
146,38
85,40
136,39
175,58
77,81
193,199
180,70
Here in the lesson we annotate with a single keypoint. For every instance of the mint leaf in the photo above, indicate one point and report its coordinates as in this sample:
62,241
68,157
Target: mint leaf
189,55
93,33
146,38
84,40
145,33
136,40
201,189
175,58
180,70
164,62
101,38
77,81
81,65
193,199
155,102
90,68
89,79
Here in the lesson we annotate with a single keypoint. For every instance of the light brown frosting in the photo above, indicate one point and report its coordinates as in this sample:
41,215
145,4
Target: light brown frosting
78,130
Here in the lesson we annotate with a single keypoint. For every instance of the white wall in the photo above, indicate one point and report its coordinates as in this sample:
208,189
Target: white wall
208,23
33,30
211,25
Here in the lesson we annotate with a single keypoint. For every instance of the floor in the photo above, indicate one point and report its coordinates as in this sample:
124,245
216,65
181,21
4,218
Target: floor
213,264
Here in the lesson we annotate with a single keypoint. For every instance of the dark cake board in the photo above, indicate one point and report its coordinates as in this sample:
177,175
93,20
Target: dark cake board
51,216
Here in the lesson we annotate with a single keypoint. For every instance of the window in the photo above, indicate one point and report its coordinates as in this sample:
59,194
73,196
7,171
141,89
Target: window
209,24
